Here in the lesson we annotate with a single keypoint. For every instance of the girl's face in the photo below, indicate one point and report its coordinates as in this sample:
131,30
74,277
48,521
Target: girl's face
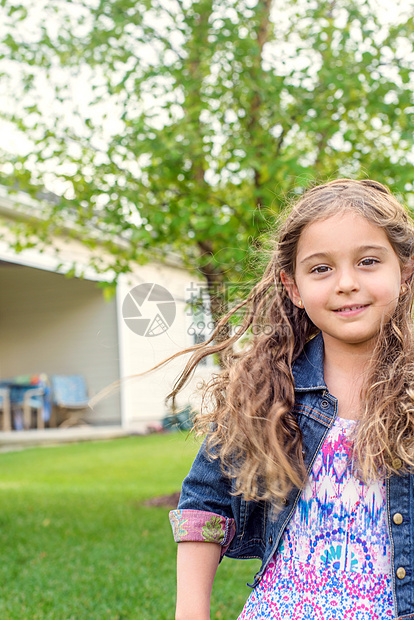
347,278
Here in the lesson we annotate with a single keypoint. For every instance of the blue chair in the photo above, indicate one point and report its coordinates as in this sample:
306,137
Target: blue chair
36,399
70,395
28,394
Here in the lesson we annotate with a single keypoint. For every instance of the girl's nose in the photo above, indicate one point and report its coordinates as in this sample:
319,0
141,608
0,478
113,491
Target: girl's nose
347,281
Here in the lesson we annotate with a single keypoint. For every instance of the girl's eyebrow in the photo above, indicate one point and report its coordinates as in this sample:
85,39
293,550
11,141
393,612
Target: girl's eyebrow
361,250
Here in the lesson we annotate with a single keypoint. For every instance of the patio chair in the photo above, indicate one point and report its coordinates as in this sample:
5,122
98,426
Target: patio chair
30,394
33,400
5,408
70,396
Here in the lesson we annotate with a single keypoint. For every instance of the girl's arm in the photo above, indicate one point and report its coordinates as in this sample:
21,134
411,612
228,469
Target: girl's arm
196,568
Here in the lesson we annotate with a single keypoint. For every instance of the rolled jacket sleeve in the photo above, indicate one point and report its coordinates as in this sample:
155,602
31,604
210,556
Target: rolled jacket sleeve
202,526
204,512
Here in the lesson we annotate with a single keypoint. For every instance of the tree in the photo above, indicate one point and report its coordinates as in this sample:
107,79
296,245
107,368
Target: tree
222,109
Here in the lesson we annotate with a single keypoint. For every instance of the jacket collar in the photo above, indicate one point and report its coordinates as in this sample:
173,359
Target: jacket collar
308,368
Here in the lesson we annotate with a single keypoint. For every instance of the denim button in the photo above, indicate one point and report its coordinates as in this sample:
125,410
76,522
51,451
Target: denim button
397,518
397,463
270,539
401,572
324,404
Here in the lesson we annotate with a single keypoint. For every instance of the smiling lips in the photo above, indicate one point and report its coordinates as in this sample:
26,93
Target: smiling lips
351,309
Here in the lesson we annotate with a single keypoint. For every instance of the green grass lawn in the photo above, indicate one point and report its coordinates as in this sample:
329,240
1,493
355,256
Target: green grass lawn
77,541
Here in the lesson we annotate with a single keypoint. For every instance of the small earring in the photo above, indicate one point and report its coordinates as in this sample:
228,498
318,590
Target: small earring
404,288
300,303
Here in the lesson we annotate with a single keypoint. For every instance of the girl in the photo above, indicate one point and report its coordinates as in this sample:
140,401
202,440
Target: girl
310,431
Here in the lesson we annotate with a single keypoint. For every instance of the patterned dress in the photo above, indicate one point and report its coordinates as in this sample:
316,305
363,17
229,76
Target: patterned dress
334,560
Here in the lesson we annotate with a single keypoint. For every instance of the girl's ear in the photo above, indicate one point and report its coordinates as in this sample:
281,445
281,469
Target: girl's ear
407,271
291,288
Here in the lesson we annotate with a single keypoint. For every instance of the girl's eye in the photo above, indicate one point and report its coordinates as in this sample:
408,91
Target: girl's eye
367,262
320,269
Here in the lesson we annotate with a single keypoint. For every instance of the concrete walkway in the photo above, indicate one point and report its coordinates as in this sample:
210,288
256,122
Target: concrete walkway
17,440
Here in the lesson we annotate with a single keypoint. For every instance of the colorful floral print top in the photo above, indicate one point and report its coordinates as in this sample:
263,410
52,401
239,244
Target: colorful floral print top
334,560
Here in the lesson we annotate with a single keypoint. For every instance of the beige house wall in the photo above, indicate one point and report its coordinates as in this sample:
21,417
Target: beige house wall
143,397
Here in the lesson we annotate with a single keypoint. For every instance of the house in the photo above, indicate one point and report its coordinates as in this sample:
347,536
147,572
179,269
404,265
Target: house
54,324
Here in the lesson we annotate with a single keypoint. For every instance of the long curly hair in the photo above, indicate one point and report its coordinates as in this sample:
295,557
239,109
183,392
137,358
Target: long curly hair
247,413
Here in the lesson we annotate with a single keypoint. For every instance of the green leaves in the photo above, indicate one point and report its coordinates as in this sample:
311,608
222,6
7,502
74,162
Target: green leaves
195,120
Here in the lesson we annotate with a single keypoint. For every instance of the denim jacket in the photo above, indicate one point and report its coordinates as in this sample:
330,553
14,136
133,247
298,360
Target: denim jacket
245,530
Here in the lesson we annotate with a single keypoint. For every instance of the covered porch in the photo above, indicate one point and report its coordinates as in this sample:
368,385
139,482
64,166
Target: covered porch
51,325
